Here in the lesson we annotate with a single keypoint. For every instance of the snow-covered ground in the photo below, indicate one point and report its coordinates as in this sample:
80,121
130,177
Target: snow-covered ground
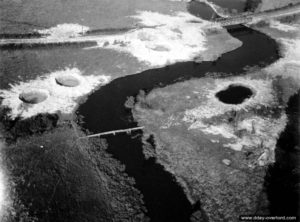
60,98
289,65
212,106
283,27
163,39
259,131
171,39
64,31
158,40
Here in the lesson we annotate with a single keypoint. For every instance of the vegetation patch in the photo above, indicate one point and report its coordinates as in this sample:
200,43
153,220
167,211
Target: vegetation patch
54,176
218,152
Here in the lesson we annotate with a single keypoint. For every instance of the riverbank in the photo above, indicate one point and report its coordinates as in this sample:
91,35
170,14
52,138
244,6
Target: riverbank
5,197
287,34
55,176
47,142
205,143
283,176
127,53
218,153
115,115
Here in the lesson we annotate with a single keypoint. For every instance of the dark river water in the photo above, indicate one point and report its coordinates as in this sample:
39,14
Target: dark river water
104,110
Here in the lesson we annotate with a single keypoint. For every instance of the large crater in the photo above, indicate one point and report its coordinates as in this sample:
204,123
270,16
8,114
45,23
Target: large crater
68,81
234,94
34,96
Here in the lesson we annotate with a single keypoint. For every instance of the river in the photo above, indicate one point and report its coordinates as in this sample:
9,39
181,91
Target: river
104,110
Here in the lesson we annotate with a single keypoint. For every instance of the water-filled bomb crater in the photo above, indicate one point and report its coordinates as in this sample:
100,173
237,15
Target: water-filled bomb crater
234,94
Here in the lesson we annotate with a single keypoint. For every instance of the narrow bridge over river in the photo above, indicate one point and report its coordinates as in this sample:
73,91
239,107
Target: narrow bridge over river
113,132
252,17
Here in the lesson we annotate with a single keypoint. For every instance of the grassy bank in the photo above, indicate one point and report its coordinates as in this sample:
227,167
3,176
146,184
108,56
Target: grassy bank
203,151
56,177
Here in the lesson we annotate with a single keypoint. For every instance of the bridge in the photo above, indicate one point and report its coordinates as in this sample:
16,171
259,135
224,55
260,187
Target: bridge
243,18
251,17
113,132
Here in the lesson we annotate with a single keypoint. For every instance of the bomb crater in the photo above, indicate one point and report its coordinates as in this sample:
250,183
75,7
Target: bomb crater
68,81
34,96
234,94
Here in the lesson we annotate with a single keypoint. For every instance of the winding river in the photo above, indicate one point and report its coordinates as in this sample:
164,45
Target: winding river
104,110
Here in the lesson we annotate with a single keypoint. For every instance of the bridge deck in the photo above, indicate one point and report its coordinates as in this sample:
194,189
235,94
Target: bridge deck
114,132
